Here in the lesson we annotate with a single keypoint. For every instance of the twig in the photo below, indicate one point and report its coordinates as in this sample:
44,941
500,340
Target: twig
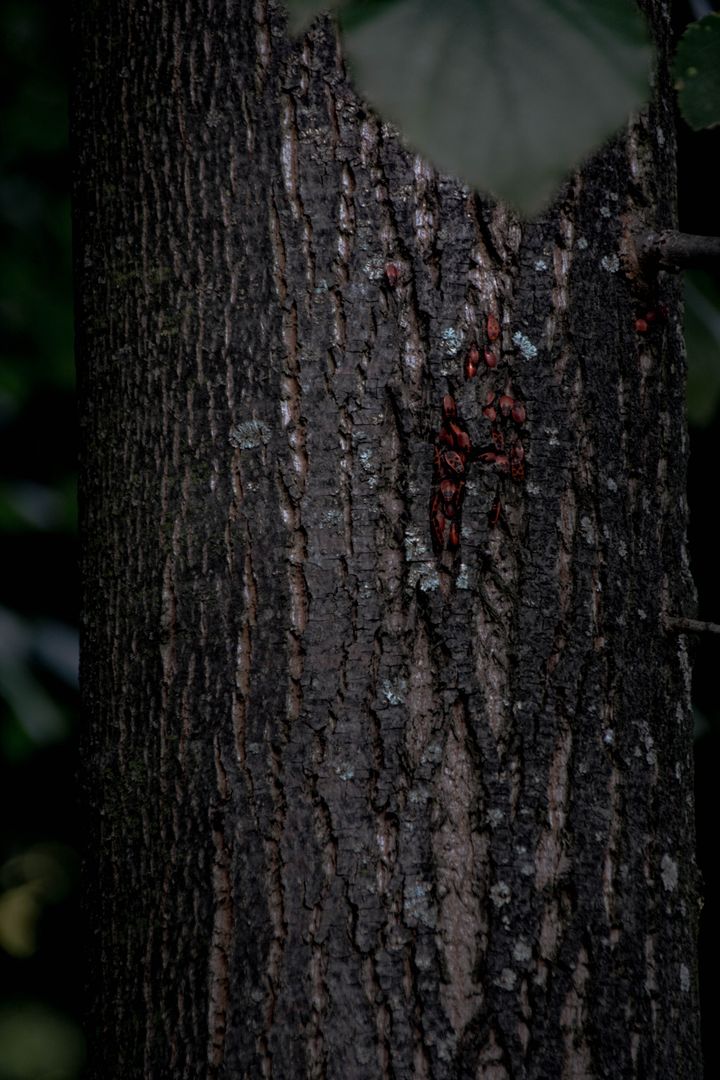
693,626
672,250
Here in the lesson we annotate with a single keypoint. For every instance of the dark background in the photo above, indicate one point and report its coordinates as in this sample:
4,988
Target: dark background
41,935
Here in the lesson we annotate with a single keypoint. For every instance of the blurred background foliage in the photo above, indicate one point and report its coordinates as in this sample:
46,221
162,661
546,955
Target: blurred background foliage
40,1037
40,938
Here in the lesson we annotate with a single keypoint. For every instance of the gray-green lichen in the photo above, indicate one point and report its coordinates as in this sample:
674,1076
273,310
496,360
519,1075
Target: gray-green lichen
250,434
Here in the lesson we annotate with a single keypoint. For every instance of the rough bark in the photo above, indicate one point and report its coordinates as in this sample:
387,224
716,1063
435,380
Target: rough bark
356,811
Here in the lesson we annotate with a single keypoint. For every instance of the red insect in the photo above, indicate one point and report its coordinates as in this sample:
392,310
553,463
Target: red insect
454,537
449,407
392,274
517,462
453,461
491,359
498,439
493,327
641,326
449,491
495,513
518,412
506,403
471,362
461,439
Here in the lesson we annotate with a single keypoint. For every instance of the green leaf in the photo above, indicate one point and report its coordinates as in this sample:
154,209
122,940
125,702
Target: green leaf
302,12
697,73
702,340
354,12
508,95
38,1043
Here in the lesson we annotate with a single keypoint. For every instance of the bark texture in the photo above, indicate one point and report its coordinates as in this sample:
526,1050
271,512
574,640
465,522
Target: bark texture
355,811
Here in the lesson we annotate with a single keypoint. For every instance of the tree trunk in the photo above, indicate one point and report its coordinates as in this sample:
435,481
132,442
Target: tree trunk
357,810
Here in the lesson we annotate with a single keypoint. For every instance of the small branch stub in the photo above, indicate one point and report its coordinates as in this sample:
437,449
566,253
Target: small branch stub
671,250
692,626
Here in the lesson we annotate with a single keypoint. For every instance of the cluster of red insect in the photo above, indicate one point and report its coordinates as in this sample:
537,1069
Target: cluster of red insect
454,450
646,318
472,360
507,453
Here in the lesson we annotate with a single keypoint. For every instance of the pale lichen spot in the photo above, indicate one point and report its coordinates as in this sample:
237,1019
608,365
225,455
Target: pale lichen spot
669,873
432,755
421,568
412,361
250,434
367,591
462,581
540,265
366,462
525,345
451,339
390,131
374,268
611,263
429,581
684,978
522,951
587,529
500,894
418,797
415,546
605,211
417,903
608,736
507,979
582,243
394,695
